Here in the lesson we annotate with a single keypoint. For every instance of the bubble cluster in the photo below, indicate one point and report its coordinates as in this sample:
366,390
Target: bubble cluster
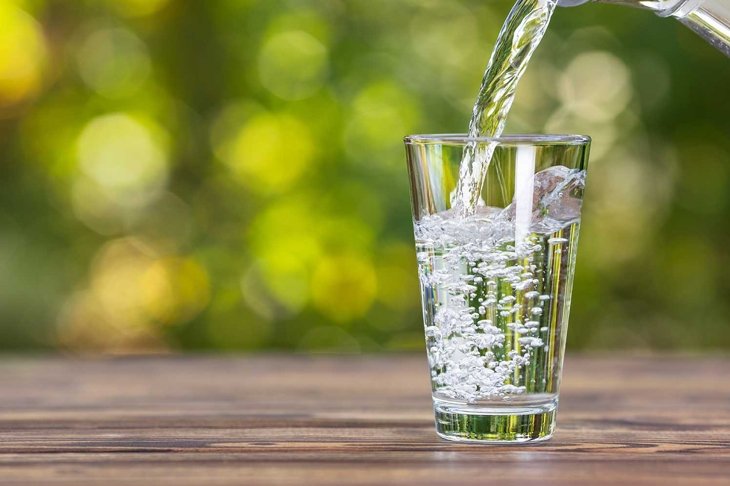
491,304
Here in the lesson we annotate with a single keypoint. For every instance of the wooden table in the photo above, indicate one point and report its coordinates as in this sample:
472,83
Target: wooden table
347,420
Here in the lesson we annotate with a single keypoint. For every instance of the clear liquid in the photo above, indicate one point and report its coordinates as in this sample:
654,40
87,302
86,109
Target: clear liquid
495,312
519,37
495,305
496,293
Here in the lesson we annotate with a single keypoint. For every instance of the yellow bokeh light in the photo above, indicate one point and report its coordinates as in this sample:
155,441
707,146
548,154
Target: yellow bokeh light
270,152
289,238
113,62
84,325
293,65
286,276
344,286
285,241
116,279
381,113
175,290
293,218
125,156
229,121
133,291
596,86
22,54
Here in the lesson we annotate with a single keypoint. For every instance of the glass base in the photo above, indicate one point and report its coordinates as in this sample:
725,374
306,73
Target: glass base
495,424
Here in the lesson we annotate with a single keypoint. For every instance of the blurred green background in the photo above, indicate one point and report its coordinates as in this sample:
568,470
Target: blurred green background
229,174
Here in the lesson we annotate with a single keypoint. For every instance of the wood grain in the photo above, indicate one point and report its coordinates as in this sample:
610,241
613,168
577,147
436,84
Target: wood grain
347,420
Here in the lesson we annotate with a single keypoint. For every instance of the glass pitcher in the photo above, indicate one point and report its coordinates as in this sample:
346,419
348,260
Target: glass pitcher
709,18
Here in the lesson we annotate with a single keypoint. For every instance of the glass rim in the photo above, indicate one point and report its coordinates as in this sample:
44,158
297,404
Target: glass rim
511,139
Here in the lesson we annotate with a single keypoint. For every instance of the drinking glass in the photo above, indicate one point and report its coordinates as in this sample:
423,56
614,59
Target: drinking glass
496,279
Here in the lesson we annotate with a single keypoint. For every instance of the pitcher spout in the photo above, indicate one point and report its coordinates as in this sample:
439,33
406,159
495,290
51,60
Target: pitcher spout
709,18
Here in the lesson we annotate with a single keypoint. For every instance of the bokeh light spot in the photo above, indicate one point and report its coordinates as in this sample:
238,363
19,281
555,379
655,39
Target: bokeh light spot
381,113
291,219
175,290
344,286
22,54
84,325
116,279
113,62
447,38
596,86
110,314
286,276
293,65
270,152
133,291
125,157
285,242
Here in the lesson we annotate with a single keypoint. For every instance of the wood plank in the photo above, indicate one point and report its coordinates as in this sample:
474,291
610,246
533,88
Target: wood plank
347,420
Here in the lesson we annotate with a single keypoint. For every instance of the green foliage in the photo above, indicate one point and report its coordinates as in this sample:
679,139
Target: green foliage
181,174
